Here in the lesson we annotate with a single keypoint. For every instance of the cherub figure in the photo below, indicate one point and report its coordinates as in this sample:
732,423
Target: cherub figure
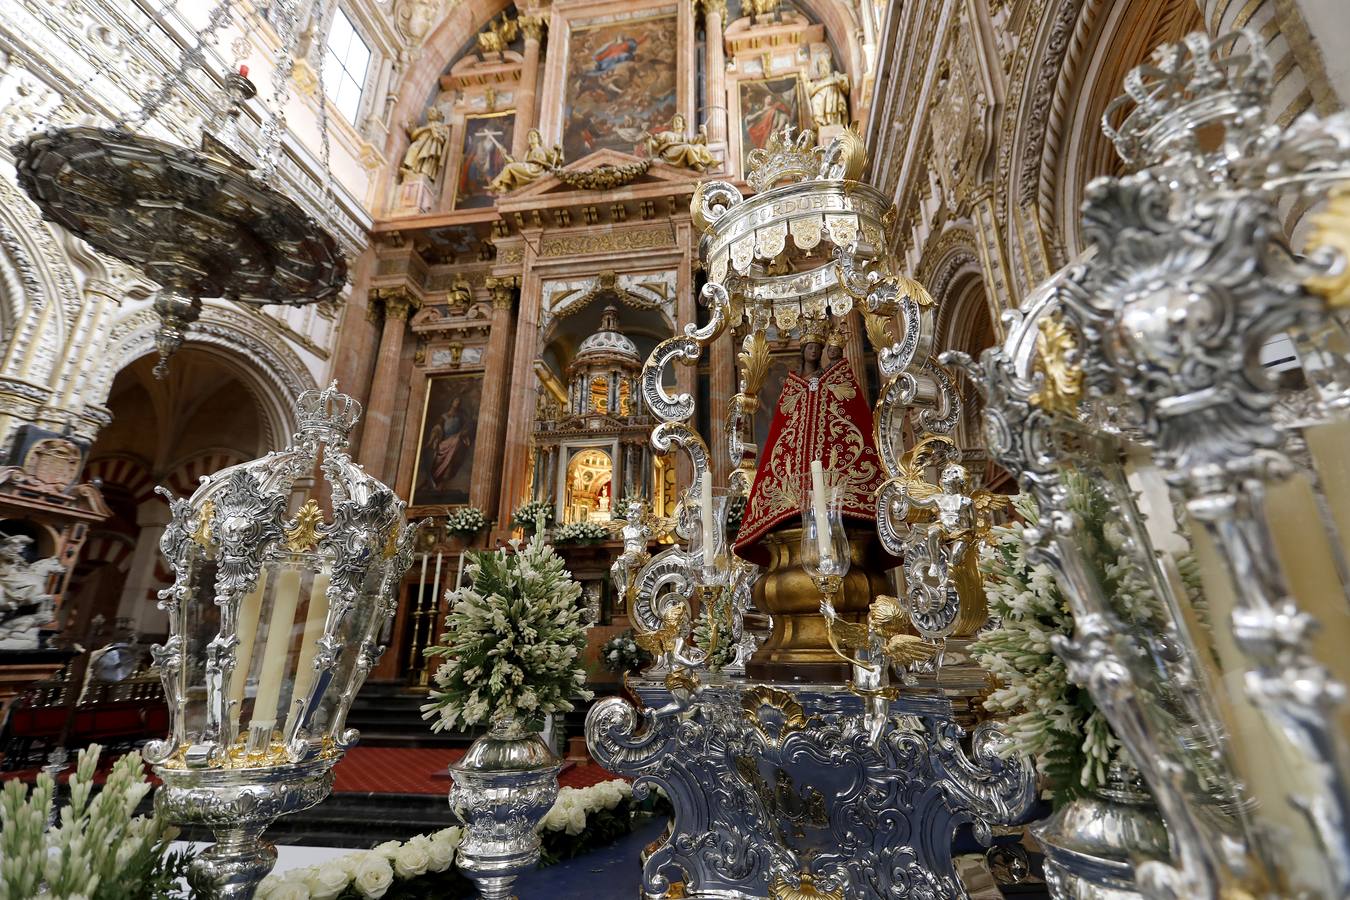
962,517
872,647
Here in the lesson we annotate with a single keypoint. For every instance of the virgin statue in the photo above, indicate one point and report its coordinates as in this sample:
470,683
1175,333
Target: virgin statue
678,148
426,153
537,161
821,415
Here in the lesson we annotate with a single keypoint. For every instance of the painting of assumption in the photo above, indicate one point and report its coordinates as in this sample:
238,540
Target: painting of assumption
487,141
620,83
445,455
767,106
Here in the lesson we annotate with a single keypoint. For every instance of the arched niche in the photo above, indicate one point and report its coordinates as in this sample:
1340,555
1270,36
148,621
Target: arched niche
588,491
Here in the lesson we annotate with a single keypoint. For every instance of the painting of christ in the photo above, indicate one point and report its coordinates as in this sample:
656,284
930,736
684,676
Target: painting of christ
445,455
620,83
767,106
487,141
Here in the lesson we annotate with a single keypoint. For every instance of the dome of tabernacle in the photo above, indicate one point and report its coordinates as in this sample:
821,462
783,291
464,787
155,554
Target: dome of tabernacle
608,341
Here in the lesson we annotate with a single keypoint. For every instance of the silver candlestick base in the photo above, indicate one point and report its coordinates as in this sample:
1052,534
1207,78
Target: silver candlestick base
238,805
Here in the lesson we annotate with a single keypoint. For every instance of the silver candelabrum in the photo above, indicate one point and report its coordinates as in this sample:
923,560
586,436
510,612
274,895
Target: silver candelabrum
274,623
1137,369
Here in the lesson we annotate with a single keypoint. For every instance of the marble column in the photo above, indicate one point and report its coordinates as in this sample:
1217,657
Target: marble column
533,26
487,456
522,396
137,602
398,304
715,70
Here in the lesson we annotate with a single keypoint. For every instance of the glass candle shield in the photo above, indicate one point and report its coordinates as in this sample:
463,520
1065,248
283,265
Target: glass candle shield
824,548
710,555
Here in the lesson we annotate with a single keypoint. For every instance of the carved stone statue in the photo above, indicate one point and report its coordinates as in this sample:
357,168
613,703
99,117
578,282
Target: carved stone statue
829,96
426,153
679,148
537,161
25,605
759,8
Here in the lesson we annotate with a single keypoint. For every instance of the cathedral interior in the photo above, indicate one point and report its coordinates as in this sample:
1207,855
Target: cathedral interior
799,330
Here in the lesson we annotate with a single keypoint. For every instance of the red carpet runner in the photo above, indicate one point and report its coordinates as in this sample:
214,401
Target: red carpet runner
422,770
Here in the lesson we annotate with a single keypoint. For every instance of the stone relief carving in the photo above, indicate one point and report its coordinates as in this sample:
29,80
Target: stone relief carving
25,605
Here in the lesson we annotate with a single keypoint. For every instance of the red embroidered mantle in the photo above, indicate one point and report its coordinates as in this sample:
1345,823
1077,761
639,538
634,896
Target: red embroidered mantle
825,418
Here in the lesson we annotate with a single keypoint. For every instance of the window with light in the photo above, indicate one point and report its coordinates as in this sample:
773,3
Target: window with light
346,59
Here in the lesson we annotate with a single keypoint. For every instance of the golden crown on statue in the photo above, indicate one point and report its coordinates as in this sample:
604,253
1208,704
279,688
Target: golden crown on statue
790,157
1188,86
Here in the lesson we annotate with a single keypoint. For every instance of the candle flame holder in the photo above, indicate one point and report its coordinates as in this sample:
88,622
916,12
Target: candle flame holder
274,623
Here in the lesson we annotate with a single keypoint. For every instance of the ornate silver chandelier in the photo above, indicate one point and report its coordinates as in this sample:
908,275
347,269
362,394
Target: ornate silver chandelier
196,222
274,623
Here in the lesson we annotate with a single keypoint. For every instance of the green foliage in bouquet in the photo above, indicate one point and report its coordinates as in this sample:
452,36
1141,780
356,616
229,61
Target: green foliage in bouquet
513,640
725,651
527,515
96,850
1053,719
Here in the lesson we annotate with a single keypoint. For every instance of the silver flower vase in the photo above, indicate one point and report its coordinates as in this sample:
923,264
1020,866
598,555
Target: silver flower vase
1093,844
504,786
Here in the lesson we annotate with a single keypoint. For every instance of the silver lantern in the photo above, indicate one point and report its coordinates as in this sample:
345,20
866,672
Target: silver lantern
274,623
1138,367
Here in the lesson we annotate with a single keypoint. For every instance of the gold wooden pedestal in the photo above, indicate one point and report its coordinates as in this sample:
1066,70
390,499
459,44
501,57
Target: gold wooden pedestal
799,647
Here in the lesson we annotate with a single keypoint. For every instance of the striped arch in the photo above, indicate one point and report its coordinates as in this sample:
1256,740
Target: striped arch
184,477
125,471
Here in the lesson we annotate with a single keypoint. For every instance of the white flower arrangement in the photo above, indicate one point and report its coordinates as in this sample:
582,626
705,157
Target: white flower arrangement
580,532
98,851
513,640
366,873
621,653
574,805
469,520
389,870
527,515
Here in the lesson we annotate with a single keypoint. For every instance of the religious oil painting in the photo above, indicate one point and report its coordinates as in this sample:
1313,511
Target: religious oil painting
445,452
487,141
767,106
620,83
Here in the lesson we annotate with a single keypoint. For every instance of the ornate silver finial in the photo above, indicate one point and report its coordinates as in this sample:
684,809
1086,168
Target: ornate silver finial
329,414
791,157
1191,86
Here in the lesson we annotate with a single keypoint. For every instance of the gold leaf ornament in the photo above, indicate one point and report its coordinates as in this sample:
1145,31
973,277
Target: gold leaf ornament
1331,230
304,534
1061,384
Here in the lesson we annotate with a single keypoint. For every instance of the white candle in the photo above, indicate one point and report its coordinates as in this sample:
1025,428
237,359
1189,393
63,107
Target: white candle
250,608
315,617
459,574
819,507
277,649
706,513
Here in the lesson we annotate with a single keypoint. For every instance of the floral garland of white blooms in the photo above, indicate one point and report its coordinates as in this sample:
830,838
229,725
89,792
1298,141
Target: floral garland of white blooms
527,514
469,520
576,532
374,873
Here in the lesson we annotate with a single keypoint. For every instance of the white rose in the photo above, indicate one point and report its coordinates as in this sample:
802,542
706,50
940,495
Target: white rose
267,886
454,834
326,882
373,876
350,863
387,849
411,860
290,890
440,854
576,821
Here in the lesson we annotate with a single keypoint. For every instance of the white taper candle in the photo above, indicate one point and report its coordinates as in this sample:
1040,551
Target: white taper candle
275,652
706,513
820,508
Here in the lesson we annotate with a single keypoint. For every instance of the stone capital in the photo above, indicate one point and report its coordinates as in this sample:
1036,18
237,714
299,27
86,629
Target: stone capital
714,7
535,25
503,290
398,302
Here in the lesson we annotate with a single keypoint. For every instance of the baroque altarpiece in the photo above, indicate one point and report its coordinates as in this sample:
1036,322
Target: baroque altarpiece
538,244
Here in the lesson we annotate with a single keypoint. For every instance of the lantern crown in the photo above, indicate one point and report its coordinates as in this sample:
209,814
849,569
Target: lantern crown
1195,86
328,414
790,157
